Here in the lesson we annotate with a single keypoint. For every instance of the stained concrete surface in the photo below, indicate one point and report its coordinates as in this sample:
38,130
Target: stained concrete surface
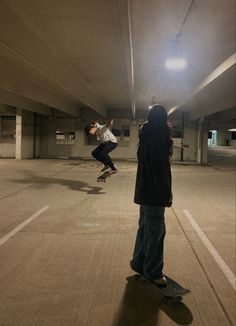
69,265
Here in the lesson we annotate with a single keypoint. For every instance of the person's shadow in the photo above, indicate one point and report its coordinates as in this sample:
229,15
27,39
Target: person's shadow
77,186
42,182
140,307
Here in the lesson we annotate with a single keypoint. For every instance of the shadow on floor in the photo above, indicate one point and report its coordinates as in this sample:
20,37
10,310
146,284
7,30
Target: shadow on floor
73,164
77,186
37,182
141,308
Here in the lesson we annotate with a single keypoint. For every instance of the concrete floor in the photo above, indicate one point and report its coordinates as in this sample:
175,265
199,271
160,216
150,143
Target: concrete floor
67,265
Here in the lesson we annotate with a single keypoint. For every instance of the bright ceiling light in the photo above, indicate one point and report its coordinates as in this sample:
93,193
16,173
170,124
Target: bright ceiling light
175,64
234,129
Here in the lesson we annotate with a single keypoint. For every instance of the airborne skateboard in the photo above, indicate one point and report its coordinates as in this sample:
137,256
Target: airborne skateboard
172,292
104,176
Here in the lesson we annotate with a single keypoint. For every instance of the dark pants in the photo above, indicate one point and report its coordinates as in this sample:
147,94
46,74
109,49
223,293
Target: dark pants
149,246
101,153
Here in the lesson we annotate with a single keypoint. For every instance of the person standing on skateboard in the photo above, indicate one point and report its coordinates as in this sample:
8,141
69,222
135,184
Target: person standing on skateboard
108,144
153,194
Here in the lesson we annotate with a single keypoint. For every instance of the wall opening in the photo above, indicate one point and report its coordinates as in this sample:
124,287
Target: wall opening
212,137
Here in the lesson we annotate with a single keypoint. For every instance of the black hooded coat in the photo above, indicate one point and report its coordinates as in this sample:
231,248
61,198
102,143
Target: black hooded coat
153,179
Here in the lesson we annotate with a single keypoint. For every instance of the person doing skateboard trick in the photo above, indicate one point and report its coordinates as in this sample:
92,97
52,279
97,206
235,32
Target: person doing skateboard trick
108,144
153,194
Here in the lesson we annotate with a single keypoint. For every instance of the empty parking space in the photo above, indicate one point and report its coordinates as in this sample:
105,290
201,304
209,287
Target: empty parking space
68,265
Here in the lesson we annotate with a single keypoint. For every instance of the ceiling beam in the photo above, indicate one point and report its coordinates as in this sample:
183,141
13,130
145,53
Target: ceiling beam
19,36
9,98
124,8
217,104
225,66
7,109
221,125
18,79
217,96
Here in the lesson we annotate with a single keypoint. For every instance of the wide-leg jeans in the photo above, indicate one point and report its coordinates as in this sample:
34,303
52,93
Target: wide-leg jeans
149,246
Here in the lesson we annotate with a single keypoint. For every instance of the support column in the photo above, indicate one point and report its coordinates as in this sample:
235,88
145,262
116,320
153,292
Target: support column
221,137
18,133
0,127
24,134
189,146
202,141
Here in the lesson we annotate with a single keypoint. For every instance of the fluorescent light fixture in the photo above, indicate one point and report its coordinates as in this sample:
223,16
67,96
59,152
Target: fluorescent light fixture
234,129
175,64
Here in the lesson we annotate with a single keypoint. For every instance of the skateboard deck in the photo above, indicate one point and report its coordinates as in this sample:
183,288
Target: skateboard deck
172,292
104,176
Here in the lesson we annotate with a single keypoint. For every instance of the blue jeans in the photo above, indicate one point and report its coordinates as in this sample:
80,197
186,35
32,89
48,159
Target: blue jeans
149,246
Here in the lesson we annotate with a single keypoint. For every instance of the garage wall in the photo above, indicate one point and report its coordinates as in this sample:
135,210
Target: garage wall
49,148
8,150
7,136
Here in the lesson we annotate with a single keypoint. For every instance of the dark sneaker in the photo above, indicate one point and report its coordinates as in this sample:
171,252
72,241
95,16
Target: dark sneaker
114,171
105,168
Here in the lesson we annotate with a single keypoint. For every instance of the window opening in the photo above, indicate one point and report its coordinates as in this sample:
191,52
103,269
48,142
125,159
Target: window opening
8,130
65,131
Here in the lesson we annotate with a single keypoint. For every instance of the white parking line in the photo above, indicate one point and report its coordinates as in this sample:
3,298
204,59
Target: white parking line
220,261
22,225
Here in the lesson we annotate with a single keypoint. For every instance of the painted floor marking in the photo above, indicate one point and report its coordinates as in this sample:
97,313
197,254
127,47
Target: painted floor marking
22,225
219,260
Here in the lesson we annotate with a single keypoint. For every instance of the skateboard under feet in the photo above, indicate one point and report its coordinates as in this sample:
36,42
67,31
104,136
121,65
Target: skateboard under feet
104,176
172,292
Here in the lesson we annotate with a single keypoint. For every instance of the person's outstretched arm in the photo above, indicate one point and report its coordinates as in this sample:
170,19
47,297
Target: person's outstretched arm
109,124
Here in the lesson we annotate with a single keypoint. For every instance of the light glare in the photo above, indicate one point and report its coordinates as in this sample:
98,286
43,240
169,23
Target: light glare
175,64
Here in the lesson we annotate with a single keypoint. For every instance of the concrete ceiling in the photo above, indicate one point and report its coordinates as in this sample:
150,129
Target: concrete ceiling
110,54
223,120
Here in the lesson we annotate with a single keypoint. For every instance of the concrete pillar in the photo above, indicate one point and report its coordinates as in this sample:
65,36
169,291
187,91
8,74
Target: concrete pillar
202,141
0,127
205,142
18,133
199,140
190,142
221,137
36,135
24,134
